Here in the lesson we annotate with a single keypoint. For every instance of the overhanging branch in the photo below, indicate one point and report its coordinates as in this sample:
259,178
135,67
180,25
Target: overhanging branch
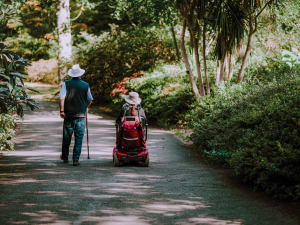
82,8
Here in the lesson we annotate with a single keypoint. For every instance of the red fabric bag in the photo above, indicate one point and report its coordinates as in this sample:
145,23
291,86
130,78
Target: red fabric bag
131,134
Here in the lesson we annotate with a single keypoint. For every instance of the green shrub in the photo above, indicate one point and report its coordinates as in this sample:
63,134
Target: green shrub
33,48
116,55
256,129
166,94
7,132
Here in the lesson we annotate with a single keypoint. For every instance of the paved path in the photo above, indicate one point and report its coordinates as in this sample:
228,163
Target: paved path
176,189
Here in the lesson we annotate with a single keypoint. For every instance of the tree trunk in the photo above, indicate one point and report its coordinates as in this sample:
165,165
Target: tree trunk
186,61
175,41
231,67
197,59
64,38
223,50
218,72
191,41
226,67
204,60
248,50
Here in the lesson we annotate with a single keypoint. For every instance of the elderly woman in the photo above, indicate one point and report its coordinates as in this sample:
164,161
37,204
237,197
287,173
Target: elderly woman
132,99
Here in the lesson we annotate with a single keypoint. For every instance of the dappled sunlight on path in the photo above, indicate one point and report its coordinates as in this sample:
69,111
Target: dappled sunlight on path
175,189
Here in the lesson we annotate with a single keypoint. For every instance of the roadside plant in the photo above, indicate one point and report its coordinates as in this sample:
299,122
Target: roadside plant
7,130
255,129
12,90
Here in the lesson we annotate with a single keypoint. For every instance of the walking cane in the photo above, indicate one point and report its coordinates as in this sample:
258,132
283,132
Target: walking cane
87,133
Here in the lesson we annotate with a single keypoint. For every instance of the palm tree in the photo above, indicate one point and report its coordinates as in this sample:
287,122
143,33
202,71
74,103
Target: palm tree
230,28
187,11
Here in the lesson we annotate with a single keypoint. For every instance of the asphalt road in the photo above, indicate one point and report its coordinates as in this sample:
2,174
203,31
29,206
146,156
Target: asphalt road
177,188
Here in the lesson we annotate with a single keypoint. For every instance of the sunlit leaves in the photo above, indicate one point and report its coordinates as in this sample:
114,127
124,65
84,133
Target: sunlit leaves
291,58
12,93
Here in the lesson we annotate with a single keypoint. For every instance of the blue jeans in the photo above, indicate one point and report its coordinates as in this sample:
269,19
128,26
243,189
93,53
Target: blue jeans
78,126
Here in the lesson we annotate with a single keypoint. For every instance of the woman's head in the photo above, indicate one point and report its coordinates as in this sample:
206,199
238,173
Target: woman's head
133,98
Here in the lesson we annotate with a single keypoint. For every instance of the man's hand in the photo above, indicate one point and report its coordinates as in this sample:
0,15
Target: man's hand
62,115
61,107
87,110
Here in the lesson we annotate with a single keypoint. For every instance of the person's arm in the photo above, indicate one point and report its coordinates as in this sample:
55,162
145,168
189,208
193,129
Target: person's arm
61,107
88,103
89,99
142,114
61,98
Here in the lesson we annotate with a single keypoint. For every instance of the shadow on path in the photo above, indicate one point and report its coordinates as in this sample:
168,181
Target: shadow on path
176,189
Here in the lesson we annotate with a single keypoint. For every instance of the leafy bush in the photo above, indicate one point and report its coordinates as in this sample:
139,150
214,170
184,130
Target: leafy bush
12,91
116,55
166,94
256,129
165,91
44,71
7,132
33,48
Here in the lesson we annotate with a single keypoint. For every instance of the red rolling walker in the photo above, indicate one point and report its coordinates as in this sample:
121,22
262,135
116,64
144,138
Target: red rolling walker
131,140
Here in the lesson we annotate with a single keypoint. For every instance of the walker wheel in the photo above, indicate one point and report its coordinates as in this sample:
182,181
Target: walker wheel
116,160
147,161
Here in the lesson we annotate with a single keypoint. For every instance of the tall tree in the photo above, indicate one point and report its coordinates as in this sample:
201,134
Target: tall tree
190,16
229,25
186,62
253,8
64,38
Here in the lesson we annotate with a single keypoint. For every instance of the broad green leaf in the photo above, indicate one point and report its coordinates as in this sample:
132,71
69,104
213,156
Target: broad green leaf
18,75
17,89
5,63
3,89
5,76
9,17
32,90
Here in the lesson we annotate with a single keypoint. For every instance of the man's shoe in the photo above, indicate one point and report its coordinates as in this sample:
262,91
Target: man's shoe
65,160
76,163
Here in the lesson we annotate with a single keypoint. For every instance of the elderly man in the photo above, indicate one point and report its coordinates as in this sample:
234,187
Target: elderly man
74,99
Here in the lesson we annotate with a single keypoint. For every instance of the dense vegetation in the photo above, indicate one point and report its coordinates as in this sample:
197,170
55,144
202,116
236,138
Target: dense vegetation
13,94
111,57
252,126
256,129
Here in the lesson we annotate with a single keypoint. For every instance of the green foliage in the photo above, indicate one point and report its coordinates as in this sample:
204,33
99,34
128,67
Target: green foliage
266,69
33,48
143,12
291,58
7,132
256,129
166,94
12,90
118,55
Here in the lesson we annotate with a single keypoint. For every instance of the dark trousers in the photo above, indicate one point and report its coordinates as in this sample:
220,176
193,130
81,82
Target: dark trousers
78,126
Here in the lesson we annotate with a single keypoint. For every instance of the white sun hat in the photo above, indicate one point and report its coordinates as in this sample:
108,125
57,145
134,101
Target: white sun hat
76,71
133,98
